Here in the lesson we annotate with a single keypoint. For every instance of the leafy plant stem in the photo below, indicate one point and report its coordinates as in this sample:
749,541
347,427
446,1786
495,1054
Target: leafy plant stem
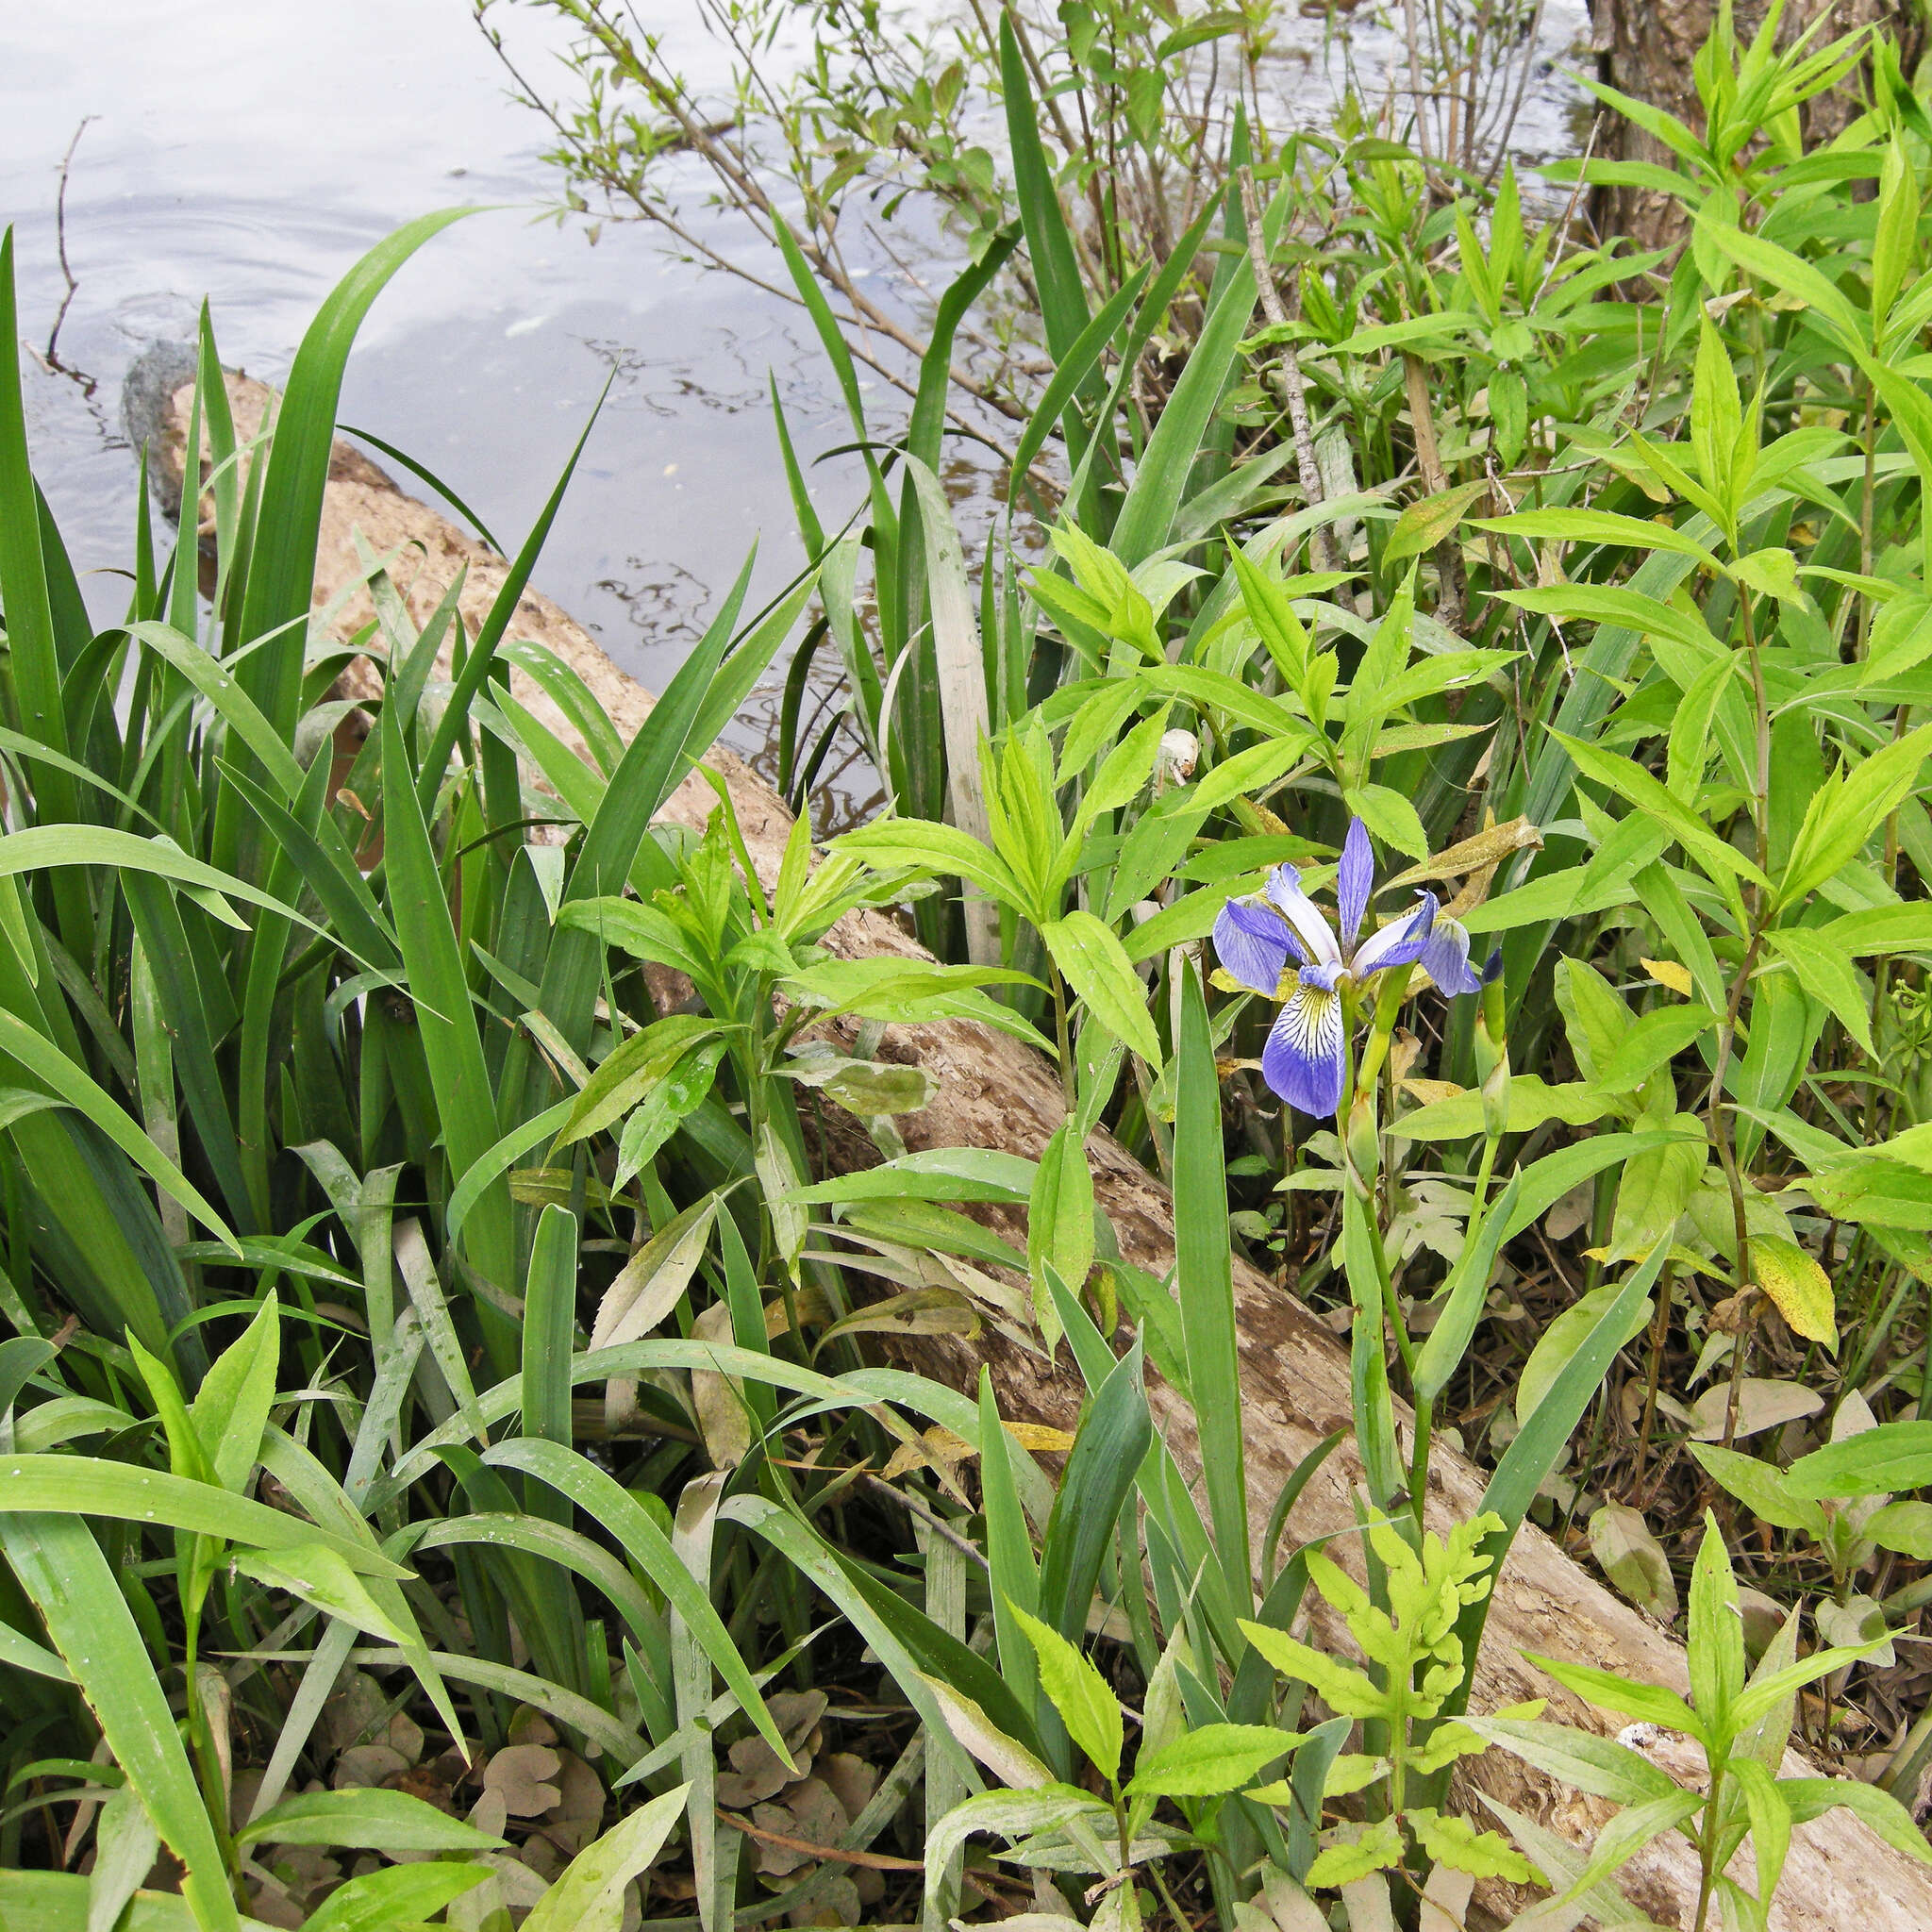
1063,1039
1659,1334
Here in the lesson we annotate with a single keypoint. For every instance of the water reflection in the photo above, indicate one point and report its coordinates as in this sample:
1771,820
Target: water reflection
250,152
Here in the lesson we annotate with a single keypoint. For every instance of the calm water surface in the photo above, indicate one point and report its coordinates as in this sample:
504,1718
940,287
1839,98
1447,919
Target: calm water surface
249,150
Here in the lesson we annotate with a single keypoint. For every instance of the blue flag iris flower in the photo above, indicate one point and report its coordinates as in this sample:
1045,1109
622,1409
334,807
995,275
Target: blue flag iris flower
1257,940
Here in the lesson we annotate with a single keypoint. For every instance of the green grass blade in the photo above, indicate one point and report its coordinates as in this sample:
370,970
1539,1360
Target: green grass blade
1015,1578
281,571
452,1044
1049,242
1114,1438
1540,1444
959,675
1205,1278
928,418
429,477
1147,515
1068,380
60,1566
46,1066
550,1304
73,1485
602,1498
479,664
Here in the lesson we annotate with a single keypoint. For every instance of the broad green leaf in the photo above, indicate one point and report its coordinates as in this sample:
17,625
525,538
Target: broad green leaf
1429,522
588,1896
1762,1486
1082,1697
1826,972
1648,1704
1882,1462
231,1407
395,1895
1209,1759
1532,1101
374,1819
1812,1798
1564,1336
939,1174
1632,783
80,1485
1596,527
1097,966
1847,809
319,1575
1598,1765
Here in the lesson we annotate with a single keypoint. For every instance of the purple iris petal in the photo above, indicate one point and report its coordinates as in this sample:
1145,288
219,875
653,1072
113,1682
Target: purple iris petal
1284,892
1253,945
1353,879
1398,943
1445,959
1303,1059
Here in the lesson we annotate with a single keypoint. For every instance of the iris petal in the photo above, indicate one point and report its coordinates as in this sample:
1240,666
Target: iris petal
1284,892
1303,1059
1398,943
1445,959
1354,877
1253,945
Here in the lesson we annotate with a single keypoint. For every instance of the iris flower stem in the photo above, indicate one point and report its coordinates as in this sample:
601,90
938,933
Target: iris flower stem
1404,1346
1424,1408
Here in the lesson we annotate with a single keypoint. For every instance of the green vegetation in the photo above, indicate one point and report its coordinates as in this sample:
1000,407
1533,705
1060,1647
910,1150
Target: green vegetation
444,1415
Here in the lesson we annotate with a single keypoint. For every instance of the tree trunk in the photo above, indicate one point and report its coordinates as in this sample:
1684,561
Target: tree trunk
1646,48
993,1092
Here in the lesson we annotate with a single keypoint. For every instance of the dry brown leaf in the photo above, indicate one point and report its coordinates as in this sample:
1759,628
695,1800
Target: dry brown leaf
525,1774
405,1735
1039,1437
1480,853
817,1816
757,1773
529,1725
719,1401
938,1448
1570,1211
1762,1403
853,1779
353,1711
572,1823
842,1903
489,1813
775,1860
797,1714
364,1767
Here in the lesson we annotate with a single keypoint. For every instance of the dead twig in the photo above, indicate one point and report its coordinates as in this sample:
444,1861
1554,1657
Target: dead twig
52,357
873,1862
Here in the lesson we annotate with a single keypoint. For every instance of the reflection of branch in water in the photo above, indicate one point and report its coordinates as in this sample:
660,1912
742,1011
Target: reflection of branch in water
53,357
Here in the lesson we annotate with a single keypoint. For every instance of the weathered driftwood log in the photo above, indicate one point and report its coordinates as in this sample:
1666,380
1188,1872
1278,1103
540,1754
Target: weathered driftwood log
993,1092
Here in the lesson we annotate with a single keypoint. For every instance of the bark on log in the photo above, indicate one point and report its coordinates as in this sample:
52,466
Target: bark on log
1645,48
995,1092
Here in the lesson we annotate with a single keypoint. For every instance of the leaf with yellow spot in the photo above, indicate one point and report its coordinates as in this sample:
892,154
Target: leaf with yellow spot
1799,1287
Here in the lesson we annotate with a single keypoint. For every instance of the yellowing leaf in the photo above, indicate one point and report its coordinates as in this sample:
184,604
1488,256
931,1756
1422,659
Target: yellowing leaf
1668,973
1801,1289
1353,1851
1039,1436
